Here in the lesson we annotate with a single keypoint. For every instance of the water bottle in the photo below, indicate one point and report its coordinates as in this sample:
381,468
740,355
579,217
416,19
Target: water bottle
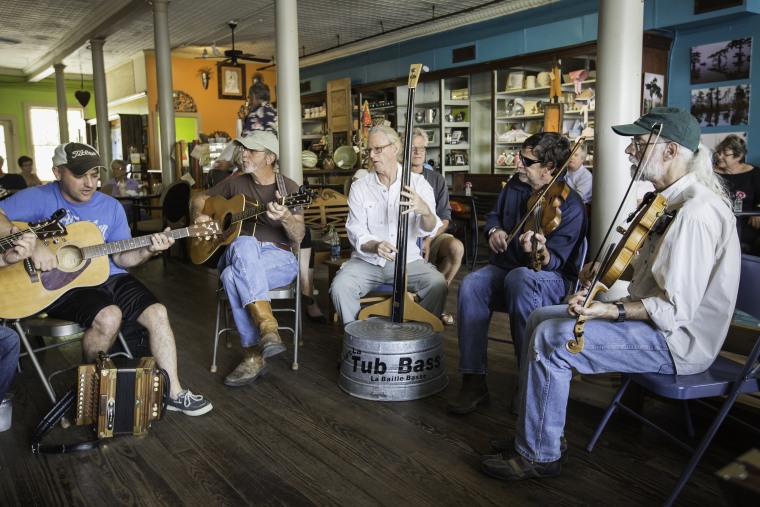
334,245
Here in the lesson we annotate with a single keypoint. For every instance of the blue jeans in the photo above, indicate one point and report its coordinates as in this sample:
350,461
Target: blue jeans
631,346
248,270
518,291
9,349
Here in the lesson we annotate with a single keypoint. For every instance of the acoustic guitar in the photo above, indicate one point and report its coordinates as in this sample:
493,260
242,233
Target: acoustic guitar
229,214
82,262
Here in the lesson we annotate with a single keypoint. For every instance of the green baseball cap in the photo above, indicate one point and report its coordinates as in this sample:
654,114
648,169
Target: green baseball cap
676,124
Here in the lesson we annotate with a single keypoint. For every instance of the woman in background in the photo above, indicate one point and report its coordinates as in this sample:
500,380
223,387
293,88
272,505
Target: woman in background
743,183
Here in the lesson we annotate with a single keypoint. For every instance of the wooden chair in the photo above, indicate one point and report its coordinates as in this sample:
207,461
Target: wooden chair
329,208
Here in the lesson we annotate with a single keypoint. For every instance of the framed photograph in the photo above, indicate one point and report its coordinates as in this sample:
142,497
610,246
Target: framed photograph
231,81
721,61
515,80
721,105
653,91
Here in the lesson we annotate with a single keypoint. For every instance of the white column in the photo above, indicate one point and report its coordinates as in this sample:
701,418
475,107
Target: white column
618,101
101,101
63,110
288,89
164,88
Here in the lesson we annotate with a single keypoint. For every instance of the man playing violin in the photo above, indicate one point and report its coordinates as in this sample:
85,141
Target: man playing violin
675,318
261,258
507,284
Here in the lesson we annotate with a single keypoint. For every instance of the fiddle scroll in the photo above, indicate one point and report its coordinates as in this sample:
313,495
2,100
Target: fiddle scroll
646,215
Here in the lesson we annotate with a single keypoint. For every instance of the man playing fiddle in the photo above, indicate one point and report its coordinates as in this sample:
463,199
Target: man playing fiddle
507,283
675,318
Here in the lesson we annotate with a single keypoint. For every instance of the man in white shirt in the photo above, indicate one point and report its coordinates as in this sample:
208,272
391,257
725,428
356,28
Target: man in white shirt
372,223
578,177
674,320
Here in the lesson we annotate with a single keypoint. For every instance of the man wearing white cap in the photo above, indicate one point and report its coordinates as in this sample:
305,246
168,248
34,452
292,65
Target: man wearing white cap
261,258
101,309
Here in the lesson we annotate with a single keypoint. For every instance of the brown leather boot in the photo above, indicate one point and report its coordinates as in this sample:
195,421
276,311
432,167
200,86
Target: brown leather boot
474,392
270,342
249,370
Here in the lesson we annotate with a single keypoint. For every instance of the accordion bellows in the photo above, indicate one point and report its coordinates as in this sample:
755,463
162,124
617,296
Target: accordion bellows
121,399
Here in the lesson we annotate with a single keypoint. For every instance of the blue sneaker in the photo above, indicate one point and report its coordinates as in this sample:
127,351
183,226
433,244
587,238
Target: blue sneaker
189,404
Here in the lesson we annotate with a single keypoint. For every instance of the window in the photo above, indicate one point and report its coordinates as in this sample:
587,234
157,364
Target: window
42,124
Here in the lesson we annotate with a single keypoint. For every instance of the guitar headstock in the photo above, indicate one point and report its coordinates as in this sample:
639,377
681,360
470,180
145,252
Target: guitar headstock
49,227
304,198
414,74
204,230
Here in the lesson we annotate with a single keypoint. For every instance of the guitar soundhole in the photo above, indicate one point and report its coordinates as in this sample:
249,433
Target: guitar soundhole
69,258
226,222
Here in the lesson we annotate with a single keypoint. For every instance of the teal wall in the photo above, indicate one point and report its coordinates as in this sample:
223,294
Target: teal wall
15,91
565,23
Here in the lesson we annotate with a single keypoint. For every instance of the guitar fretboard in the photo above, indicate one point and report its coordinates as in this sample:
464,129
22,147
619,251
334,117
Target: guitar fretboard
6,243
252,211
124,245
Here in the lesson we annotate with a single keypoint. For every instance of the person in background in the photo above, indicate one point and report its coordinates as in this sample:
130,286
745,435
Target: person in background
10,181
673,320
9,341
261,114
261,257
120,184
26,164
507,283
372,223
578,177
743,184
101,309
441,249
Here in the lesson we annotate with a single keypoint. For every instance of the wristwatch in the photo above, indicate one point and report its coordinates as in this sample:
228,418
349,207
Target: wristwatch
621,311
494,229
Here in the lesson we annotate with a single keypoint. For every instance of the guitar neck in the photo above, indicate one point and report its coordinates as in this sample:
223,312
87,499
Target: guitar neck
125,245
6,243
251,212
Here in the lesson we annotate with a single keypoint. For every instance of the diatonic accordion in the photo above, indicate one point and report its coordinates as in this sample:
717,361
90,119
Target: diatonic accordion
121,399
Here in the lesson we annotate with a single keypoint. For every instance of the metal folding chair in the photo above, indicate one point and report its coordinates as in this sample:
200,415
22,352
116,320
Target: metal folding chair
290,291
726,377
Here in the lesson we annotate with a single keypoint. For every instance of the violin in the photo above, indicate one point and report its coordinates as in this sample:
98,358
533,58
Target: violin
615,263
547,216
619,257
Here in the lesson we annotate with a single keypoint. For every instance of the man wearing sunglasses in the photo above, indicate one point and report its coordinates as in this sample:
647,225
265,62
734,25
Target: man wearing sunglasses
507,284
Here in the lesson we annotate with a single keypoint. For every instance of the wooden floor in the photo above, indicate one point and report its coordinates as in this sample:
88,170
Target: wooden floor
294,438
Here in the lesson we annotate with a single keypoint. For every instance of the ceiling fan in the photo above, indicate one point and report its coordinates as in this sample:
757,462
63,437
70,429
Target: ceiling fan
233,55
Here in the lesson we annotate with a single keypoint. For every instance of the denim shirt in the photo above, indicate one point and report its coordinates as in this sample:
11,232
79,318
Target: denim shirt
562,243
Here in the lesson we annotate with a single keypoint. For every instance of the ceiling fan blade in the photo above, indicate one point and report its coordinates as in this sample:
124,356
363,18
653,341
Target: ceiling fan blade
253,58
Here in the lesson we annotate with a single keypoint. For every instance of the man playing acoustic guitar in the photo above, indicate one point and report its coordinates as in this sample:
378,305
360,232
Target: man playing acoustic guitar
260,258
101,308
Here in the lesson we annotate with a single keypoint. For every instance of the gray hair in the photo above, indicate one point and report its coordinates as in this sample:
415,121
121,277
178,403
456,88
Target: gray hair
418,132
392,137
699,163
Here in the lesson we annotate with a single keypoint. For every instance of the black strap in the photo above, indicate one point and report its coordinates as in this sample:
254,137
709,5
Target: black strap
51,419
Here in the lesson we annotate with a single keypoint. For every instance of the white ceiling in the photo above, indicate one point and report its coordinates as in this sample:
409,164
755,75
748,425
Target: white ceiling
52,31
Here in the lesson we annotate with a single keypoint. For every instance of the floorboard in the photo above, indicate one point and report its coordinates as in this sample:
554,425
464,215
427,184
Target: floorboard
295,438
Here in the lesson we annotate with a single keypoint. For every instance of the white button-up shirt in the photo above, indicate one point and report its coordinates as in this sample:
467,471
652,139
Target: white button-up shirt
688,278
374,212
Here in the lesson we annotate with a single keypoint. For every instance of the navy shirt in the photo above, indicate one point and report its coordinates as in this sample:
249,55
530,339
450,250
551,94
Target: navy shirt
562,243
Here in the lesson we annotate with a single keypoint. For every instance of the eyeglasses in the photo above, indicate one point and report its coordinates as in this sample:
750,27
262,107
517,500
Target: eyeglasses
640,145
727,154
418,149
527,162
377,150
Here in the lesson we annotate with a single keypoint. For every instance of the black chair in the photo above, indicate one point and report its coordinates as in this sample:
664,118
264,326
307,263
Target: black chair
462,215
175,212
726,377
483,203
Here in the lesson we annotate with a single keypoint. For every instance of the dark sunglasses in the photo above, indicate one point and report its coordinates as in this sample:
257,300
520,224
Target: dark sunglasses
527,162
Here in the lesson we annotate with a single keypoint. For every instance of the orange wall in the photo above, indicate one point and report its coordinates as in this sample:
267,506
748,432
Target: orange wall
216,113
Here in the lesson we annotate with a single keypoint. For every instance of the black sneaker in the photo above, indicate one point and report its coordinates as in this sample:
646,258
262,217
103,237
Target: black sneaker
511,466
508,444
189,404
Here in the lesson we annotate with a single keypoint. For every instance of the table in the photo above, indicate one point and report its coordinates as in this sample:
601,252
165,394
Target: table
135,200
